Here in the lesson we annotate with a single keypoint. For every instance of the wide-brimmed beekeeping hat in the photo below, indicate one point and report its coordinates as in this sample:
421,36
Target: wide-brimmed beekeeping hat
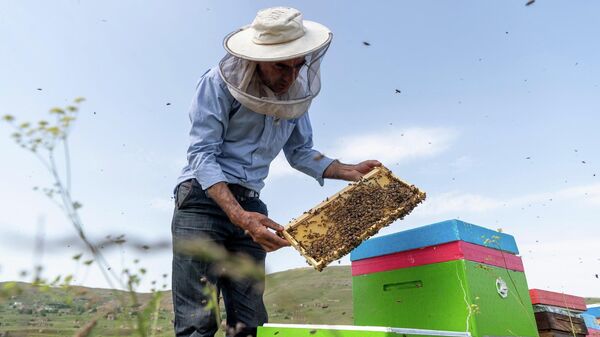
276,34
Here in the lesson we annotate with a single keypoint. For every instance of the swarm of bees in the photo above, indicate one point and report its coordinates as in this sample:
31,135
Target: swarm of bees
339,224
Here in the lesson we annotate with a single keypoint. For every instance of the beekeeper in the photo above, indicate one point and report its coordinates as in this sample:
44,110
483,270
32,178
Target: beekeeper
244,112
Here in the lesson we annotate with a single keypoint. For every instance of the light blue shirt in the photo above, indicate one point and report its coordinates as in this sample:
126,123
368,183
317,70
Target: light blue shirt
232,144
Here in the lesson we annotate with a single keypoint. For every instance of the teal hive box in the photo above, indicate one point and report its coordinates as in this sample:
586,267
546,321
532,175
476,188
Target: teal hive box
302,330
457,295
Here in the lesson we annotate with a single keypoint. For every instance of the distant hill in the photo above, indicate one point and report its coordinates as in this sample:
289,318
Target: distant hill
307,296
592,300
294,296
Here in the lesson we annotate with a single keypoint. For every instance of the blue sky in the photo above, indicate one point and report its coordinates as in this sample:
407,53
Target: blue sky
484,85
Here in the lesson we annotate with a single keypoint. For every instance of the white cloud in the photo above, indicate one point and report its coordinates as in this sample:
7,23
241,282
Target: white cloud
457,202
573,257
462,163
589,194
390,147
281,168
394,145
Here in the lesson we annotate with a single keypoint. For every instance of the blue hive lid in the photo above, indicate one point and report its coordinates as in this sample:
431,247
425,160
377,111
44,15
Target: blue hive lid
590,321
435,234
594,311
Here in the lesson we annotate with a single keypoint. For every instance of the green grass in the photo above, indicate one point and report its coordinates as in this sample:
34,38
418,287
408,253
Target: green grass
307,296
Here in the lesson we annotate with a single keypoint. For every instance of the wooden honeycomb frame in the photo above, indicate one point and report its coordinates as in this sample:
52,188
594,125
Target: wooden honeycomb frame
313,225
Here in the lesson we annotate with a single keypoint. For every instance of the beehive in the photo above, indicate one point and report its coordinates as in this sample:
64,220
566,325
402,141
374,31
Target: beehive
306,330
446,276
333,228
559,314
590,322
593,314
592,325
594,310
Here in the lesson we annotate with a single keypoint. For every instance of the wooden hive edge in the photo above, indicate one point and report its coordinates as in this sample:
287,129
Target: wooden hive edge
414,201
300,249
319,265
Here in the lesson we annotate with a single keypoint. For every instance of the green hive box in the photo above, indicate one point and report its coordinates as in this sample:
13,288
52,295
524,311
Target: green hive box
458,295
301,330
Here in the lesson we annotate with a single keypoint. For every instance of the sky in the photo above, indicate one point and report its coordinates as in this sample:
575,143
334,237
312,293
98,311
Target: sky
496,120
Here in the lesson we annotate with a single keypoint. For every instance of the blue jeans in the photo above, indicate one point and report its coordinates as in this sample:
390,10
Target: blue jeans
199,218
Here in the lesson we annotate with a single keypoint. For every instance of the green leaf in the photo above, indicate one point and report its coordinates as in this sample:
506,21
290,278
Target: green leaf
8,118
72,108
77,205
79,99
67,119
55,131
24,125
57,111
77,257
88,262
68,279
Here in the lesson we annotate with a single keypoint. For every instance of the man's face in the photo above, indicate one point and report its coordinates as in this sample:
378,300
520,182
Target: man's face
280,75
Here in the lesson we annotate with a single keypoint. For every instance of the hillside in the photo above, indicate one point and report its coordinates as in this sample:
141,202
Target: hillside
306,296
294,296
592,300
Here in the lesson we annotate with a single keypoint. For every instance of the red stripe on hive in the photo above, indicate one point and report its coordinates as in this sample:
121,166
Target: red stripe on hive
593,333
557,299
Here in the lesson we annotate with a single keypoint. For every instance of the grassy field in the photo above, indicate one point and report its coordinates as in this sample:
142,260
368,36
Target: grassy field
294,296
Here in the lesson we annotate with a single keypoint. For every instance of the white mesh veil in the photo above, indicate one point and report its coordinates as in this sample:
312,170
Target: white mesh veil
245,84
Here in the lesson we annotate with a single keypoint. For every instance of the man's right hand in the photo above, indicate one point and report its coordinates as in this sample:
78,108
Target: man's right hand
257,226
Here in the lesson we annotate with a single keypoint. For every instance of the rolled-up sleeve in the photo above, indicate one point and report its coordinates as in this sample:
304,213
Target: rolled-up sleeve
209,114
300,154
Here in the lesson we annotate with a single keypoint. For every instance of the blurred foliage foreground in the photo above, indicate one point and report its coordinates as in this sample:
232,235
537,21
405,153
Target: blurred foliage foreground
121,313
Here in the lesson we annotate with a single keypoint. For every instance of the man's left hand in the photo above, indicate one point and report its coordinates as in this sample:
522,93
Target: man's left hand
349,172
